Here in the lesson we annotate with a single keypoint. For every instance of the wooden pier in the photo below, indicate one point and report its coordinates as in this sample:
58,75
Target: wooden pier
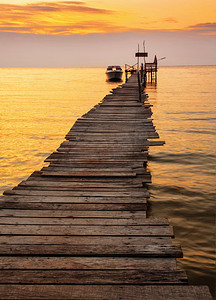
77,229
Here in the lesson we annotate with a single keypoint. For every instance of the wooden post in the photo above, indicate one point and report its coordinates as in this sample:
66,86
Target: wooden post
139,87
126,74
142,72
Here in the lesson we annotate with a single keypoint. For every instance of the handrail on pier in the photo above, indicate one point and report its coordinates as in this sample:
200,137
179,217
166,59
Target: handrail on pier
130,69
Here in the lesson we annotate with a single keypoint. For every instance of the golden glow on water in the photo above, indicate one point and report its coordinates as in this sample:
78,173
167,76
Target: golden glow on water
38,107
183,171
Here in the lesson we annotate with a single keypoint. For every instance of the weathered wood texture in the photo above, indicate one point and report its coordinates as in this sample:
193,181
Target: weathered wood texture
105,292
77,229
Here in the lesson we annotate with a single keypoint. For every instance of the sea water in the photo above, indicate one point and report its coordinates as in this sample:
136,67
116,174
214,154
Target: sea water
38,106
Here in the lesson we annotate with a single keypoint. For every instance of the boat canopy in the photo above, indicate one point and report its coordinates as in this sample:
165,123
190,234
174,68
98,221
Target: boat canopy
114,67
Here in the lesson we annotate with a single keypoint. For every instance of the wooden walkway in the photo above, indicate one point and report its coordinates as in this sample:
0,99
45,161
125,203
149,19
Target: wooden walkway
77,229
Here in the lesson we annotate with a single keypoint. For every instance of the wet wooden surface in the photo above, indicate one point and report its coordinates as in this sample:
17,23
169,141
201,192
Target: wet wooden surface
77,229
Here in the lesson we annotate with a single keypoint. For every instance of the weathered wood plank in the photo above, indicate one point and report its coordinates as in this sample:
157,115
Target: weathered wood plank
72,206
119,139
106,292
119,181
80,184
37,220
109,129
98,173
114,150
93,277
108,144
150,251
70,193
133,121
100,154
98,164
85,263
67,221
102,199
77,214
67,187
87,230
38,242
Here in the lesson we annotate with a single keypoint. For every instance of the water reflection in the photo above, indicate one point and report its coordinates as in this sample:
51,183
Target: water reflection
183,172
39,106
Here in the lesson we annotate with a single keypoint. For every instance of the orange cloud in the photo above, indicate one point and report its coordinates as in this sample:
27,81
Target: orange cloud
71,6
52,17
204,28
170,20
76,17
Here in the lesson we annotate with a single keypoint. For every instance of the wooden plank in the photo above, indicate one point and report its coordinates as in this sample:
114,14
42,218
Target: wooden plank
79,221
113,127
72,221
100,163
98,150
87,230
118,107
125,121
43,186
109,144
80,184
85,263
98,173
116,115
79,196
70,193
119,113
156,143
52,205
37,176
147,251
93,149
126,104
75,214
62,169
120,181
63,164
100,157
100,137
107,243
100,154
92,277
128,136
112,121
106,292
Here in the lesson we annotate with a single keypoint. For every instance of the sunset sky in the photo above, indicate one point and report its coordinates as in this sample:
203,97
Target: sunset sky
101,32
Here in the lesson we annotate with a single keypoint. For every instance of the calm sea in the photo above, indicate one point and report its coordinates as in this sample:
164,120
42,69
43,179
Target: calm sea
38,106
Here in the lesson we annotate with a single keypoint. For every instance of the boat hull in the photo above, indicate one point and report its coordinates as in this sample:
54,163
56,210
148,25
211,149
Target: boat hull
114,75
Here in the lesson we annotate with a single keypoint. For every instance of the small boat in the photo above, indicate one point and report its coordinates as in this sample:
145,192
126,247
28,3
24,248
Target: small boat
114,73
